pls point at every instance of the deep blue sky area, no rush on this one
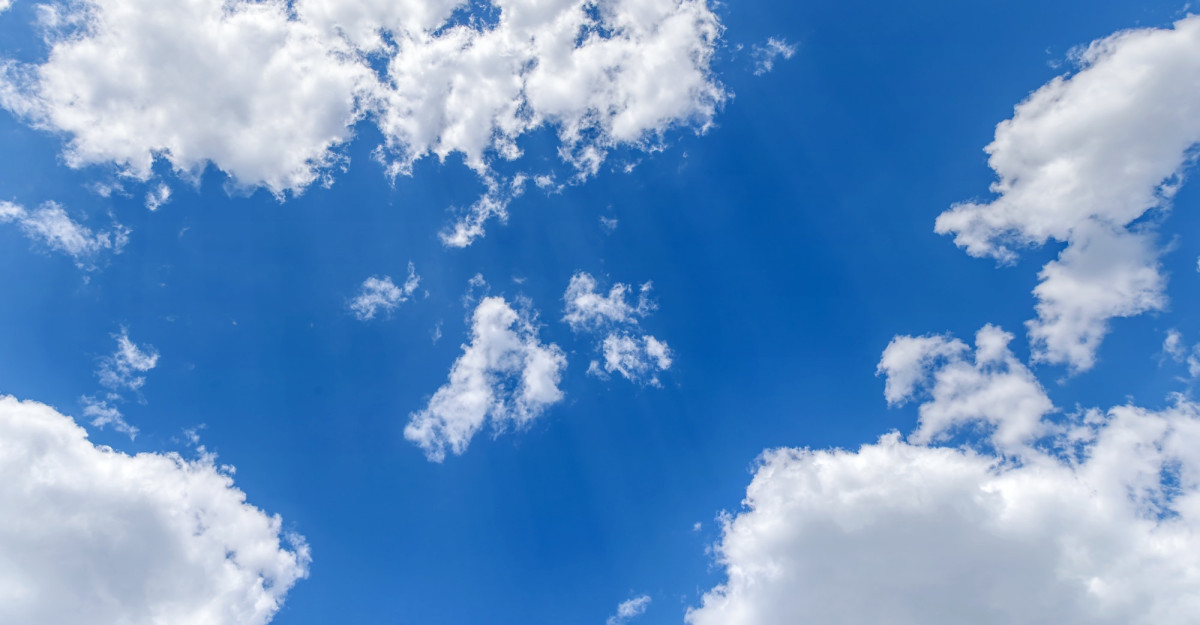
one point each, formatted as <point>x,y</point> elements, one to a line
<point>786,245</point>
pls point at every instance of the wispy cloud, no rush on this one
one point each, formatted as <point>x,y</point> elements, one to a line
<point>381,294</point>
<point>50,226</point>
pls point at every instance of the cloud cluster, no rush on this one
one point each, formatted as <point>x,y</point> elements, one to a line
<point>1082,161</point>
<point>104,537</point>
<point>269,91</point>
<point>505,375</point>
<point>1094,520</point>
<point>50,225</point>
<point>378,294</point>
<point>625,349</point>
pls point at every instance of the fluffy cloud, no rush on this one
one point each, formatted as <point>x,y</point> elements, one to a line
<point>377,294</point>
<point>629,610</point>
<point>51,226</point>
<point>4,5</point>
<point>91,535</point>
<point>274,88</point>
<point>993,388</point>
<point>238,84</point>
<point>766,54</point>
<point>1081,161</point>
<point>1093,520</point>
<point>505,375</point>
<point>635,356</point>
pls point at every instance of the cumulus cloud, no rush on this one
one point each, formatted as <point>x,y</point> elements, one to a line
<point>993,388</point>
<point>625,350</point>
<point>49,225</point>
<point>1082,161</point>
<point>273,89</point>
<point>1094,519</point>
<point>92,535</point>
<point>629,610</point>
<point>505,375</point>
<point>766,54</point>
<point>378,294</point>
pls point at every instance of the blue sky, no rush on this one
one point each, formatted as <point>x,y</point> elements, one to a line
<point>784,218</point>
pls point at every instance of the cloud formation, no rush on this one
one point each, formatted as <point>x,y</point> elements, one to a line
<point>991,389</point>
<point>765,54</point>
<point>274,89</point>
<point>378,294</point>
<point>121,371</point>
<point>1091,520</point>
<point>1083,160</point>
<point>629,610</point>
<point>104,537</point>
<point>50,226</point>
<point>624,349</point>
<point>505,375</point>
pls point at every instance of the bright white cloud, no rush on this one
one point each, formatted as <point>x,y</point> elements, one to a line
<point>505,375</point>
<point>51,226</point>
<point>378,294</point>
<point>268,91</point>
<point>625,350</point>
<point>5,4</point>
<point>265,98</point>
<point>1093,521</point>
<point>91,535</point>
<point>124,368</point>
<point>993,388</point>
<point>1081,160</point>
<point>588,308</point>
<point>629,610</point>
<point>766,54</point>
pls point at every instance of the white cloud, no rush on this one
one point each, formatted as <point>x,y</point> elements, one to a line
<point>608,224</point>
<point>635,356</point>
<point>993,388</point>
<point>51,226</point>
<point>1174,348</point>
<point>505,375</point>
<point>587,308</point>
<point>1095,520</point>
<point>159,196</point>
<point>124,368</point>
<point>1081,161</point>
<point>766,54</point>
<point>5,4</point>
<point>377,294</point>
<point>273,89</point>
<point>629,610</point>
<point>91,535</point>
<point>265,98</point>
<point>103,414</point>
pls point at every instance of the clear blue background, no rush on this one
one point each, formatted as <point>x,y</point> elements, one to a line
<point>786,246</point>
